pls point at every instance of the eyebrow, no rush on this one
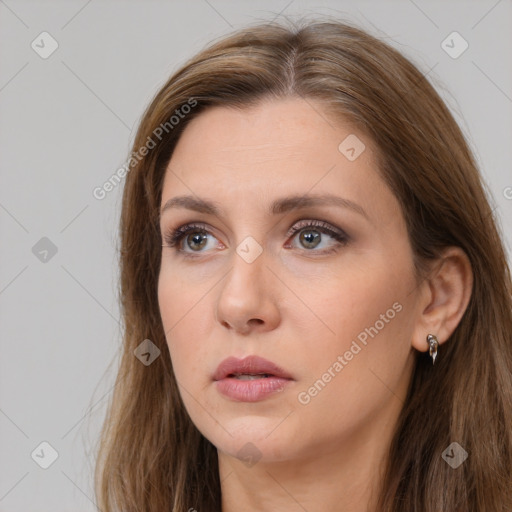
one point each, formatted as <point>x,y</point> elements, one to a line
<point>278,207</point>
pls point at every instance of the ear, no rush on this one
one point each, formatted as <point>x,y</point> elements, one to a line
<point>444,298</point>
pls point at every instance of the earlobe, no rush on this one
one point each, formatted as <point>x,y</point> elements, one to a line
<point>444,299</point>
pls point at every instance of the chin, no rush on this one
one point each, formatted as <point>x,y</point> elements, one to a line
<point>254,439</point>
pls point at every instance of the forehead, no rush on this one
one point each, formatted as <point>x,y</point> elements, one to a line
<point>290,124</point>
<point>275,148</point>
<point>288,131</point>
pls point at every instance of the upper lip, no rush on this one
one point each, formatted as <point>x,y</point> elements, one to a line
<point>248,365</point>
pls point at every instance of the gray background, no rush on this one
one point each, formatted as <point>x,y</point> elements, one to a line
<point>66,124</point>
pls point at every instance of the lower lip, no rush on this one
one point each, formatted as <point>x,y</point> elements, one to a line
<point>251,390</point>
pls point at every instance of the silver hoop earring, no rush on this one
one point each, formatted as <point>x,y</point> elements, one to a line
<point>433,345</point>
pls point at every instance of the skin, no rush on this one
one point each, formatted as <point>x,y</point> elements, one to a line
<point>296,305</point>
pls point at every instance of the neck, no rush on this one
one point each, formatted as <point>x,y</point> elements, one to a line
<point>345,477</point>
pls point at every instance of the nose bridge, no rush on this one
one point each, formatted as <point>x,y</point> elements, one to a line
<point>253,250</point>
<point>248,265</point>
<point>247,293</point>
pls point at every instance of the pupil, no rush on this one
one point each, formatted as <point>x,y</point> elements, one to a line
<point>311,238</point>
<point>199,239</point>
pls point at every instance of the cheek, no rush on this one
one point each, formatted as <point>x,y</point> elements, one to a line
<point>182,292</point>
<point>182,309</point>
<point>362,314</point>
<point>357,298</point>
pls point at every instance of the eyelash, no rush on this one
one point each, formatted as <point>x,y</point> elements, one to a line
<point>174,237</point>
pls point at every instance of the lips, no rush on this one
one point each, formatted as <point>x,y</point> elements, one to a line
<point>251,379</point>
<point>247,367</point>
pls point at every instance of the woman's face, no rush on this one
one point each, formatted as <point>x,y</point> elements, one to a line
<point>323,288</point>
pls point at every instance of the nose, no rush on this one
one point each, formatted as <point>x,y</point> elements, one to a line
<point>248,299</point>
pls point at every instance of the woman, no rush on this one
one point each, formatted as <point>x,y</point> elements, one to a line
<point>304,233</point>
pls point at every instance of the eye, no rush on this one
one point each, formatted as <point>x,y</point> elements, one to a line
<point>196,237</point>
<point>311,234</point>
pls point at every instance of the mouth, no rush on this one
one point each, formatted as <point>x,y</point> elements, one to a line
<point>249,376</point>
<point>249,368</point>
<point>251,379</point>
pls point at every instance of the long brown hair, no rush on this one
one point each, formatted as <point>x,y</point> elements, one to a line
<point>151,456</point>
